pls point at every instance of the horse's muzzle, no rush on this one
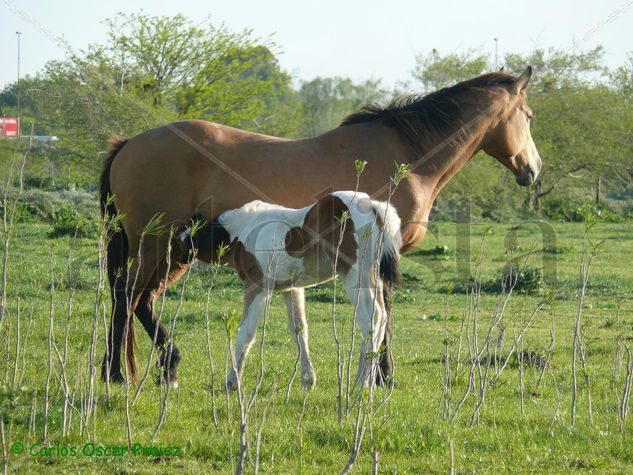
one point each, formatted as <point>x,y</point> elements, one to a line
<point>528,176</point>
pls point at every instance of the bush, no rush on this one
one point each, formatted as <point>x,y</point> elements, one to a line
<point>69,222</point>
<point>38,182</point>
<point>524,279</point>
<point>440,251</point>
<point>23,212</point>
<point>561,209</point>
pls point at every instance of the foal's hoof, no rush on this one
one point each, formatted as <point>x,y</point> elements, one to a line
<point>382,380</point>
<point>231,381</point>
<point>308,381</point>
<point>172,381</point>
<point>230,385</point>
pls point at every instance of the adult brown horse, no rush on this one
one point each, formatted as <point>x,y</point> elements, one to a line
<point>197,167</point>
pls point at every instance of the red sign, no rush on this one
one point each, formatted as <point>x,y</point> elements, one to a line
<point>8,127</point>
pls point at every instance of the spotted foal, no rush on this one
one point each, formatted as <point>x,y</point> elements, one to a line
<point>276,248</point>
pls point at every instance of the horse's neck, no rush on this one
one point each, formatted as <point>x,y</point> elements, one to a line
<point>451,152</point>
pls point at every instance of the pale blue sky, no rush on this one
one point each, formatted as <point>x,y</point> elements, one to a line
<point>358,39</point>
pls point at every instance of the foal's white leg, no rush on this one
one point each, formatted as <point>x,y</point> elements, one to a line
<point>298,326</point>
<point>372,318</point>
<point>255,302</point>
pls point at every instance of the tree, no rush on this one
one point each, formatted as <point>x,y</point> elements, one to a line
<point>327,100</point>
<point>556,68</point>
<point>151,71</point>
<point>582,123</point>
<point>434,71</point>
<point>578,120</point>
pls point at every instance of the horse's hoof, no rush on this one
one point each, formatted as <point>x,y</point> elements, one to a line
<point>116,378</point>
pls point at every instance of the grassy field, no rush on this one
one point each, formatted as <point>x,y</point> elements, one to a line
<point>521,426</point>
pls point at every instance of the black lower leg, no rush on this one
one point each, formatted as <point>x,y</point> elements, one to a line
<point>111,365</point>
<point>170,355</point>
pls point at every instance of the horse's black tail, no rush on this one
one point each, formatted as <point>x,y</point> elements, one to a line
<point>117,253</point>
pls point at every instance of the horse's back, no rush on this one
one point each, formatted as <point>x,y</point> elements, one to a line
<point>176,169</point>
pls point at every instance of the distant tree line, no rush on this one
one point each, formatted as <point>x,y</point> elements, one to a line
<point>153,70</point>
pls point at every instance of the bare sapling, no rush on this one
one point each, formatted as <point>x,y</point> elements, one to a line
<point>446,382</point>
<point>365,399</point>
<point>159,316</point>
<point>222,249</point>
<point>5,452</point>
<point>165,383</point>
<point>623,406</point>
<point>485,368</point>
<point>340,360</point>
<point>10,200</point>
<point>105,225</point>
<point>550,351</point>
<point>49,365</point>
<point>578,342</point>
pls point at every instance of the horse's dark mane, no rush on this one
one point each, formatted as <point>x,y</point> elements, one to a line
<point>418,115</point>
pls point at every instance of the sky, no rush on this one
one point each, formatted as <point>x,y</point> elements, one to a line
<point>349,38</point>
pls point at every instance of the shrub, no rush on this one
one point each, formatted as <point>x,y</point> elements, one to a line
<point>567,210</point>
<point>524,279</point>
<point>69,222</point>
<point>440,251</point>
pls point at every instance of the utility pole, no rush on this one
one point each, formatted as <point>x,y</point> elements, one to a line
<point>496,53</point>
<point>19,93</point>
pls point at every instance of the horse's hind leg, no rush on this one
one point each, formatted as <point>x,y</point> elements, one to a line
<point>111,366</point>
<point>298,326</point>
<point>170,354</point>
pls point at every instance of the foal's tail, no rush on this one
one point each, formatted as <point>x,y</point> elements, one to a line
<point>117,252</point>
<point>391,242</point>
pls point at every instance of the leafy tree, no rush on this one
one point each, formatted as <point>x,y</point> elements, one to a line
<point>151,71</point>
<point>579,122</point>
<point>434,71</point>
<point>556,68</point>
<point>327,100</point>
<point>622,80</point>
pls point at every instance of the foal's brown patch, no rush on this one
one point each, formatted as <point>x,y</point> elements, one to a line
<point>321,231</point>
<point>245,264</point>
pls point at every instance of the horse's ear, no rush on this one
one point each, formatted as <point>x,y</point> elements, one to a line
<point>501,69</point>
<point>523,80</point>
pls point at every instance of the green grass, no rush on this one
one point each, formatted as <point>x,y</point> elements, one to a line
<point>407,433</point>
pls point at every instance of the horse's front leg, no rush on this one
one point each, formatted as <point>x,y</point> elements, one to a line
<point>255,302</point>
<point>298,326</point>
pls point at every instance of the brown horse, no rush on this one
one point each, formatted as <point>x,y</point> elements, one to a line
<point>197,167</point>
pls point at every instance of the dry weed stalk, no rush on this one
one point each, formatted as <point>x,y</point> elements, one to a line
<point>8,218</point>
<point>579,349</point>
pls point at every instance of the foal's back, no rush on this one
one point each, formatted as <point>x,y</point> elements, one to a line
<point>302,247</point>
